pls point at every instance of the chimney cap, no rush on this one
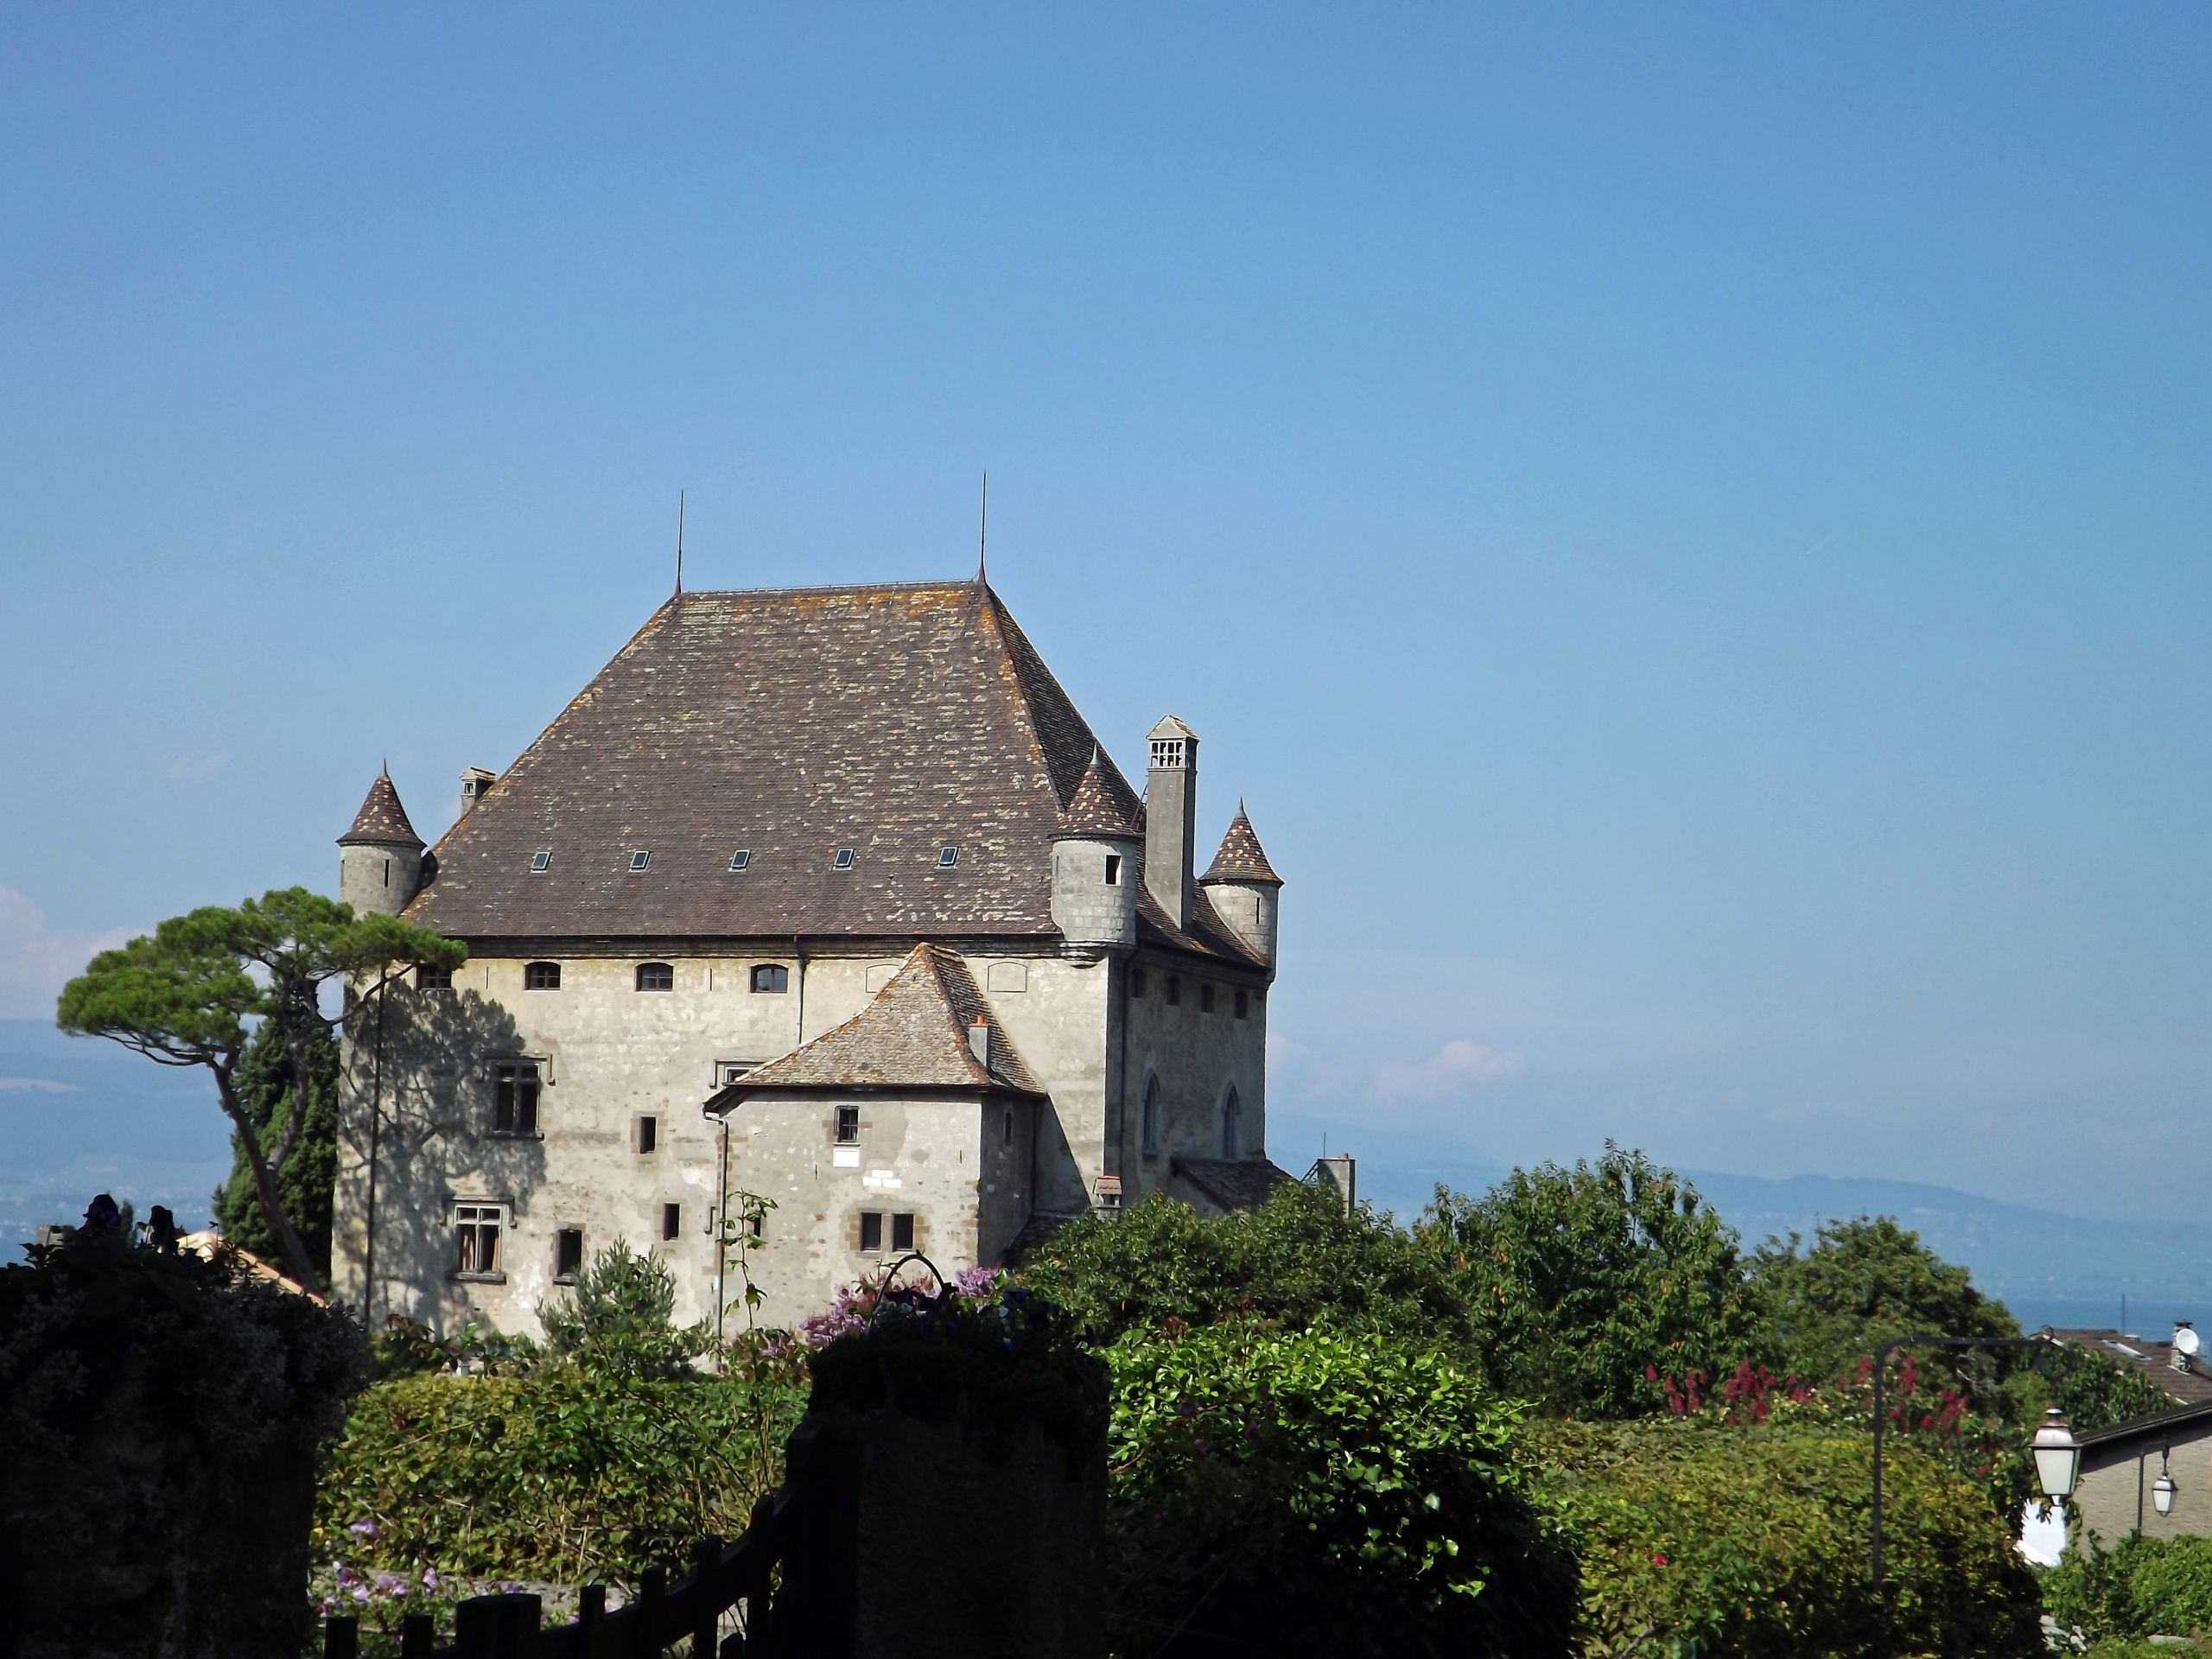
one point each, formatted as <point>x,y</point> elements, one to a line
<point>1171,727</point>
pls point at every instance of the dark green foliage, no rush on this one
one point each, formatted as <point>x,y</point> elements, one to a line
<point>2093,1391</point>
<point>1751,1542</point>
<point>160,1416</point>
<point>264,1081</point>
<point>2142,1586</point>
<point>1296,1259</point>
<point>558,1477</point>
<point>620,1318</point>
<point>1311,1492</point>
<point>1579,1280</point>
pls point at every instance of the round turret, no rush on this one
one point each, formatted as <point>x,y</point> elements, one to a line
<point>1095,863</point>
<point>1244,888</point>
<point>380,858</point>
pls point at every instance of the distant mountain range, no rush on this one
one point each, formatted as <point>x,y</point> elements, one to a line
<point>2046,1267</point>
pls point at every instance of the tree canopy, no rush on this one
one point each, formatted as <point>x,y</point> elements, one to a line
<point>306,1175</point>
<point>192,992</point>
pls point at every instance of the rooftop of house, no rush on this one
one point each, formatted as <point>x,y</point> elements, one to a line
<point>2154,1360</point>
<point>891,759</point>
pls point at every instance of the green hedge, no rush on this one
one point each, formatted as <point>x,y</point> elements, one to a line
<point>557,1477</point>
<point>1753,1541</point>
<point>2142,1587</point>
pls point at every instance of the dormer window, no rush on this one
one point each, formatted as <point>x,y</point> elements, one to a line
<point>1167,754</point>
<point>947,857</point>
<point>741,861</point>
<point>843,861</point>
<point>540,862</point>
<point>638,860</point>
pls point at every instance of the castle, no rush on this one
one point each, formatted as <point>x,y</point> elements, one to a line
<point>828,895</point>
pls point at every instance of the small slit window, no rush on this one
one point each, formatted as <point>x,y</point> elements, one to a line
<point>541,976</point>
<point>1174,992</point>
<point>655,976</point>
<point>848,1126</point>
<point>1113,870</point>
<point>771,978</point>
<point>1206,999</point>
<point>1149,1123</point>
<point>947,857</point>
<point>567,1254</point>
<point>1243,1005</point>
<point>671,1221</point>
<point>843,860</point>
<point>741,861</point>
<point>540,862</point>
<point>902,1231</point>
<point>872,1231</point>
<point>638,860</point>
<point>648,1136</point>
<point>1136,983</point>
<point>1006,1134</point>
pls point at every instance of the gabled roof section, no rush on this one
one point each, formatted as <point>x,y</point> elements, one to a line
<point>1171,727</point>
<point>1234,1183</point>
<point>913,1035</point>
<point>1103,807</point>
<point>894,721</point>
<point>1241,857</point>
<point>382,821</point>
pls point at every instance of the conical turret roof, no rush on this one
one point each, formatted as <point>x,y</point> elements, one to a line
<point>1241,857</point>
<point>382,820</point>
<point>1102,808</point>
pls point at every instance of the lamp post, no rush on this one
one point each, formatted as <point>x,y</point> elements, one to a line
<point>2163,1489</point>
<point>2057,1454</point>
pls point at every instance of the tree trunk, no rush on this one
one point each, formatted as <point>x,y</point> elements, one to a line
<point>292,1253</point>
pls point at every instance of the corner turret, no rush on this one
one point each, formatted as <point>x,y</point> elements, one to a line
<point>380,858</point>
<point>1243,888</point>
<point>1094,861</point>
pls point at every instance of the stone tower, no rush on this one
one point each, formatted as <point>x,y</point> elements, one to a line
<point>380,858</point>
<point>1244,888</point>
<point>1171,817</point>
<point>1095,864</point>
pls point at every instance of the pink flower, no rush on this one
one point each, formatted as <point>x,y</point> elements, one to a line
<point>1658,1560</point>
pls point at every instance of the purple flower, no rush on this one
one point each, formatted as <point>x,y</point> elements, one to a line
<point>361,1592</point>
<point>391,1583</point>
<point>365,1527</point>
<point>429,1578</point>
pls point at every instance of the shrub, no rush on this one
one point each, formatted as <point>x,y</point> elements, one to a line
<point>620,1319</point>
<point>1753,1541</point>
<point>557,1477</point>
<point>1313,1492</point>
<point>2142,1587</point>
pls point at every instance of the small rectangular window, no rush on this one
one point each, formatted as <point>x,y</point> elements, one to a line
<point>648,1136</point>
<point>541,976</point>
<point>1136,982</point>
<point>771,979</point>
<point>567,1254</point>
<point>434,979</point>
<point>638,860</point>
<point>1206,999</point>
<point>1174,992</point>
<point>902,1231</point>
<point>843,861</point>
<point>515,1085</point>
<point>947,857</point>
<point>741,861</point>
<point>476,1238</point>
<point>872,1231</point>
<point>540,862</point>
<point>1243,1005</point>
<point>1006,1134</point>
<point>671,1221</point>
<point>848,1126</point>
<point>1113,870</point>
<point>655,976</point>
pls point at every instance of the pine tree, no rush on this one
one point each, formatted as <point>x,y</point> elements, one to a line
<point>305,1180</point>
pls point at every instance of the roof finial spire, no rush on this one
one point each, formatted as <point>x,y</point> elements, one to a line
<point>386,766</point>
<point>983,532</point>
<point>679,543</point>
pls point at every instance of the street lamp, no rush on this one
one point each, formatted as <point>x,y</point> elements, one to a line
<point>2163,1489</point>
<point>2162,1493</point>
<point>2058,1455</point>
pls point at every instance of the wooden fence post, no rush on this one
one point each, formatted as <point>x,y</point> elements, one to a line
<point>706,1557</point>
<point>645,1637</point>
<point>418,1635</point>
<point>341,1637</point>
<point>591,1620</point>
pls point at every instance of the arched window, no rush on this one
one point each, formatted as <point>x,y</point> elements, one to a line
<point>655,976</point>
<point>541,976</point>
<point>771,978</point>
<point>1232,1125</point>
<point>1149,1121</point>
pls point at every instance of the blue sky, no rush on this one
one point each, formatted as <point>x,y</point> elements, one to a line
<point>1686,524</point>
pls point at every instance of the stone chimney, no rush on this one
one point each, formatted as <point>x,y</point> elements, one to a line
<point>1171,817</point>
<point>475,783</point>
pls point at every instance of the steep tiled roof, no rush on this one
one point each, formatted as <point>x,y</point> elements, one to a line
<point>1207,935</point>
<point>1234,1183</point>
<point>1103,807</point>
<point>2154,1361</point>
<point>1241,858</point>
<point>382,820</point>
<point>913,1035</point>
<point>894,721</point>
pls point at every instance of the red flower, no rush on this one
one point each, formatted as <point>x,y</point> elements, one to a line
<point>1658,1560</point>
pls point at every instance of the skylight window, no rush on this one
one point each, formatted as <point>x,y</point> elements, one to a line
<point>843,860</point>
<point>638,860</point>
<point>540,862</point>
<point>741,861</point>
<point>947,857</point>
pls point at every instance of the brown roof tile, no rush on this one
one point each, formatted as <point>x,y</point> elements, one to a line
<point>1241,858</point>
<point>382,820</point>
<point>1234,1183</point>
<point>2152,1360</point>
<point>914,1034</point>
<point>1103,807</point>
<point>894,721</point>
